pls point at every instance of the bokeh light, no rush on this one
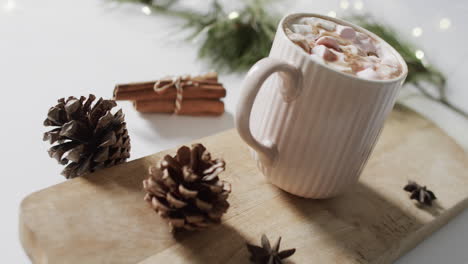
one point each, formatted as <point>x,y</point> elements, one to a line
<point>146,10</point>
<point>419,54</point>
<point>233,15</point>
<point>344,4</point>
<point>358,5</point>
<point>445,23</point>
<point>417,31</point>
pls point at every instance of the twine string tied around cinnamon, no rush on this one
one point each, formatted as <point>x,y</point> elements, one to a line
<point>179,82</point>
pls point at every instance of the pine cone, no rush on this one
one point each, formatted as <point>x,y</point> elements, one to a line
<point>186,190</point>
<point>88,137</point>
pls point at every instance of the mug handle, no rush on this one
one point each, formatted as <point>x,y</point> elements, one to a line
<point>290,89</point>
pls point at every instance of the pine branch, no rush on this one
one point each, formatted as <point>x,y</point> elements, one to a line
<point>235,43</point>
<point>418,72</point>
<point>231,43</point>
<point>440,100</point>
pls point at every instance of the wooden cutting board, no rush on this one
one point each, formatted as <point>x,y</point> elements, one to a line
<point>102,218</point>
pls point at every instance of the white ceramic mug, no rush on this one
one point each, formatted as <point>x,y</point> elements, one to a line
<point>312,128</point>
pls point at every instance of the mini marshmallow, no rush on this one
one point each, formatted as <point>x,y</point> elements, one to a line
<point>301,29</point>
<point>307,20</point>
<point>374,59</point>
<point>344,48</point>
<point>324,53</point>
<point>366,45</point>
<point>310,39</point>
<point>388,59</point>
<point>299,40</point>
<point>341,61</point>
<point>368,73</point>
<point>294,36</point>
<point>328,26</point>
<point>329,42</point>
<point>366,64</point>
<point>386,70</point>
<point>341,56</point>
<point>361,36</point>
<point>346,32</point>
<point>351,50</point>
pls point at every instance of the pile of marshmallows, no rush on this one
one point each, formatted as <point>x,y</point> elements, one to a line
<point>344,48</point>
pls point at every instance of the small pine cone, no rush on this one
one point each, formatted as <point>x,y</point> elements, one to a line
<point>186,190</point>
<point>87,137</point>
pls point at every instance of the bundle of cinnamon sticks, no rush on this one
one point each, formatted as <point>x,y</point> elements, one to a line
<point>183,95</point>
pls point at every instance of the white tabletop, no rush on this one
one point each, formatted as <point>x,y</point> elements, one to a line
<point>51,49</point>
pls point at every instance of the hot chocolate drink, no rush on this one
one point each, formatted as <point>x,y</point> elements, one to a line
<point>344,48</point>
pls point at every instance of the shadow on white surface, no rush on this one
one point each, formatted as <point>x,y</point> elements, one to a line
<point>173,126</point>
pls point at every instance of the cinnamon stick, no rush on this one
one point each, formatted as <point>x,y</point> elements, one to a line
<point>194,107</point>
<point>202,86</point>
<point>136,86</point>
<point>145,91</point>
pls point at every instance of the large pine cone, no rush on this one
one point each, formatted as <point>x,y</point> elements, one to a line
<point>88,137</point>
<point>186,190</point>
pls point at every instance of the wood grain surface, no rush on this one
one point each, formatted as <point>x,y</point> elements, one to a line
<point>102,218</point>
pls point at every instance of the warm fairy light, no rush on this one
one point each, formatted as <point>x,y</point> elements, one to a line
<point>233,15</point>
<point>9,5</point>
<point>419,54</point>
<point>146,10</point>
<point>445,23</point>
<point>332,14</point>
<point>344,4</point>
<point>417,31</point>
<point>358,5</point>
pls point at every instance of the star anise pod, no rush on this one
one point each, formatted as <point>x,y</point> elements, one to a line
<point>420,193</point>
<point>267,254</point>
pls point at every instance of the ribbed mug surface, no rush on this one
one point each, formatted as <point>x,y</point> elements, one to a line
<point>325,136</point>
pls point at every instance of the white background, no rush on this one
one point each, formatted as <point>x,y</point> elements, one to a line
<point>56,48</point>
